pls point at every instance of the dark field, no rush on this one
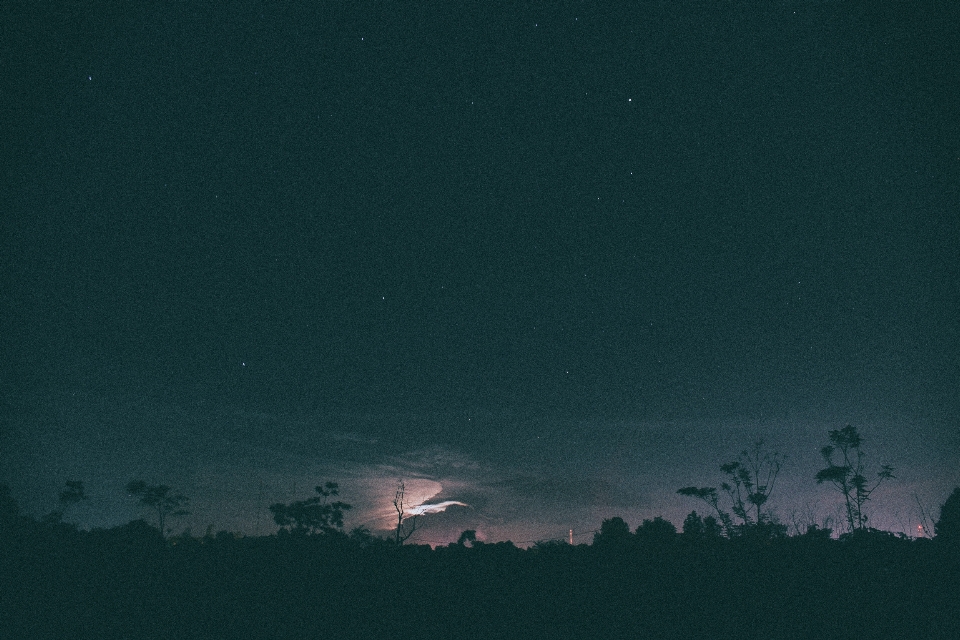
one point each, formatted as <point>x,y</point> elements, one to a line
<point>128,582</point>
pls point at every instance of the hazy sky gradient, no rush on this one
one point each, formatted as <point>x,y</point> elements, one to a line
<point>552,262</point>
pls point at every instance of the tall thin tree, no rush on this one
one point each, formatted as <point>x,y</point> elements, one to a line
<point>160,499</point>
<point>405,526</point>
<point>845,471</point>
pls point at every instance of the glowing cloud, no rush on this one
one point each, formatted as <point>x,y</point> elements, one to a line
<point>435,508</point>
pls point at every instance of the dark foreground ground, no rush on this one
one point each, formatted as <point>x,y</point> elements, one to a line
<point>56,582</point>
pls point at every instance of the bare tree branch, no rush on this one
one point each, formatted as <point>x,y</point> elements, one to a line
<point>406,528</point>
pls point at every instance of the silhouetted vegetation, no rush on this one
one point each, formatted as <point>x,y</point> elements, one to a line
<point>159,499</point>
<point>73,494</point>
<point>750,482</point>
<point>131,582</point>
<point>846,473</point>
<point>406,526</point>
<point>749,580</point>
<point>947,527</point>
<point>314,515</point>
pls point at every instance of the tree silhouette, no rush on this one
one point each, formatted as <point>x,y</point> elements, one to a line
<point>697,528</point>
<point>709,495</point>
<point>656,531</point>
<point>362,537</point>
<point>72,494</point>
<point>159,499</point>
<point>313,515</point>
<point>753,476</point>
<point>693,526</point>
<point>405,526</point>
<point>614,532</point>
<point>751,480</point>
<point>846,473</point>
<point>469,535</point>
<point>948,525</point>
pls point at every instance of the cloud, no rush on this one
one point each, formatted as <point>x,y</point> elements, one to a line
<point>437,461</point>
<point>435,508</point>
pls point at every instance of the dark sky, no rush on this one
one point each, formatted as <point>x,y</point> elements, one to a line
<point>550,261</point>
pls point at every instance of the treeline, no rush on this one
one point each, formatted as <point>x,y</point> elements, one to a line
<point>732,572</point>
<point>57,581</point>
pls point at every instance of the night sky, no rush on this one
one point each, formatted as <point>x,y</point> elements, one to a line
<point>552,262</point>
